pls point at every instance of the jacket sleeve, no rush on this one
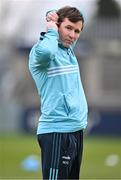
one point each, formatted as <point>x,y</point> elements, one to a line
<point>43,51</point>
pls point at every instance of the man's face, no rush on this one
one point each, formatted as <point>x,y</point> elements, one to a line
<point>69,32</point>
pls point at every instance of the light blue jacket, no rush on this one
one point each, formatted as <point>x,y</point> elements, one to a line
<point>55,71</point>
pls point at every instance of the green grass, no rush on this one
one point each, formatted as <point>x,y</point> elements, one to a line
<point>96,151</point>
<point>15,148</point>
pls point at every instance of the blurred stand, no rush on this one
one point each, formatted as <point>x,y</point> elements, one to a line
<point>99,55</point>
<point>100,64</point>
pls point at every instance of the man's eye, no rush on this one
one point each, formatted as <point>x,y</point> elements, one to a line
<point>77,31</point>
<point>69,28</point>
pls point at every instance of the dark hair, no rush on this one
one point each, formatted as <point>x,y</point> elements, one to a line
<point>72,13</point>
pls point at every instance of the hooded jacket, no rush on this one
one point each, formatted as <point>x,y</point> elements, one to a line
<point>55,71</point>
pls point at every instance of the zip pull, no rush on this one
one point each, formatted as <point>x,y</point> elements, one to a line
<point>69,52</point>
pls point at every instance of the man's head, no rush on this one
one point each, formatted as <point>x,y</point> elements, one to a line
<point>70,25</point>
<point>72,13</point>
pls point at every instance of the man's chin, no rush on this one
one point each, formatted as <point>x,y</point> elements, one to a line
<point>67,45</point>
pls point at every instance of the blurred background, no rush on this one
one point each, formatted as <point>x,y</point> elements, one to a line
<point>99,55</point>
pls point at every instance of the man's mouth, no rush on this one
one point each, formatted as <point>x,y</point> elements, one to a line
<point>69,41</point>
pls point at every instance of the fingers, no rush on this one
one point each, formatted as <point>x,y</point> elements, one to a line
<point>52,16</point>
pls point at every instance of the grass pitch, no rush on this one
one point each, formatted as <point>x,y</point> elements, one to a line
<point>101,158</point>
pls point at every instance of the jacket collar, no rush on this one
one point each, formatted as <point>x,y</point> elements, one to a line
<point>59,43</point>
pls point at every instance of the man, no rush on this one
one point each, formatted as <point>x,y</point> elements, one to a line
<point>55,70</point>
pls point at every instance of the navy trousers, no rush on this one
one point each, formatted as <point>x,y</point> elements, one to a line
<point>61,155</point>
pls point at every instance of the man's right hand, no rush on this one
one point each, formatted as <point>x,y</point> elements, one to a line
<point>52,20</point>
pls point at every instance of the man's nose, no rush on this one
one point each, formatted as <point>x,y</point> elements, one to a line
<point>72,34</point>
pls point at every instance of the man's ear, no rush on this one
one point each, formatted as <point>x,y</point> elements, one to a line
<point>58,24</point>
